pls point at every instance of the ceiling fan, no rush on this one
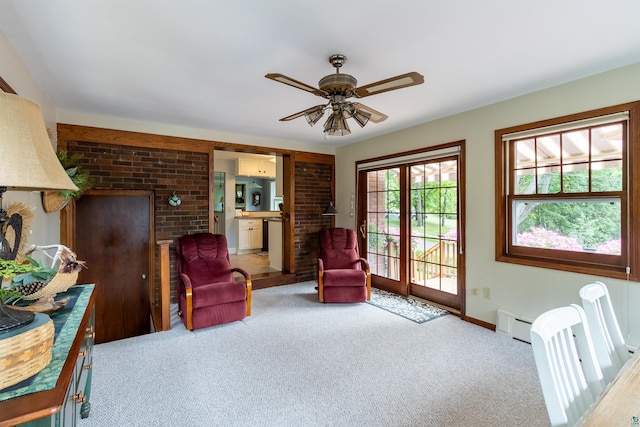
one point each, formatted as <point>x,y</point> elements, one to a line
<point>337,89</point>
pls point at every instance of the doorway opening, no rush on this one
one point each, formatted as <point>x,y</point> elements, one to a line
<point>254,190</point>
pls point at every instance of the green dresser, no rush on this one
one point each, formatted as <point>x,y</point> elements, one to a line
<point>59,394</point>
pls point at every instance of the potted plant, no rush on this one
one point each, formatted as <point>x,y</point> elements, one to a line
<point>55,200</point>
<point>23,278</point>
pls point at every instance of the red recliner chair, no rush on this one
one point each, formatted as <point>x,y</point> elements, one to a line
<point>342,275</point>
<point>208,293</point>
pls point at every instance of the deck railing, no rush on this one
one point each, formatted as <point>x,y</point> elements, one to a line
<point>440,260</point>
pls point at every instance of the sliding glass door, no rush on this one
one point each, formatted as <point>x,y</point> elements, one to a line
<point>433,254</point>
<point>409,219</point>
<point>382,225</point>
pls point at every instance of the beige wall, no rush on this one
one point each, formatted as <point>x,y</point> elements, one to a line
<point>46,227</point>
<point>523,290</point>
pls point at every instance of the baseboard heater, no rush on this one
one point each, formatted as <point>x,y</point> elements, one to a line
<point>514,326</point>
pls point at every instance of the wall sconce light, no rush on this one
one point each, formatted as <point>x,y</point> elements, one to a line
<point>174,200</point>
<point>330,210</point>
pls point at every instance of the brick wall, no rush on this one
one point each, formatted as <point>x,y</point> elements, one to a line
<point>158,170</point>
<point>164,171</point>
<point>312,195</point>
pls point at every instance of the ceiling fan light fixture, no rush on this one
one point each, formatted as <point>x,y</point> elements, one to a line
<point>338,88</point>
<point>361,117</point>
<point>314,115</point>
<point>328,125</point>
<point>336,125</point>
<point>338,83</point>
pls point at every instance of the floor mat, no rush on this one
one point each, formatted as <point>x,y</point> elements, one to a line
<point>408,308</point>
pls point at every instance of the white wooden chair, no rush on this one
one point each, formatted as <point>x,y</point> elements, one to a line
<point>608,341</point>
<point>567,366</point>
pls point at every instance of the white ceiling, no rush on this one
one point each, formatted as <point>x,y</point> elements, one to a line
<point>201,63</point>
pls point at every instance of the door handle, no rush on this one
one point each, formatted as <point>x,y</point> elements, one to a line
<point>144,276</point>
<point>363,229</point>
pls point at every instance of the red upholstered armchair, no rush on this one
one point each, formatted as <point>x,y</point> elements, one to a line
<point>208,293</point>
<point>342,275</point>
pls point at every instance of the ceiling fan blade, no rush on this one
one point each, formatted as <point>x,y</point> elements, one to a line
<point>393,83</point>
<point>302,113</point>
<point>376,116</point>
<point>295,83</point>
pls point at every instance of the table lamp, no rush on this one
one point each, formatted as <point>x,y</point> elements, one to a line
<point>29,163</point>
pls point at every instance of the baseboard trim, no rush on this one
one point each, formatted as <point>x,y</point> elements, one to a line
<point>479,322</point>
<point>277,278</point>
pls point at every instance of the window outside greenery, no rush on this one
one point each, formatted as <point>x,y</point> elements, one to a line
<point>583,226</point>
<point>428,201</point>
<point>586,164</point>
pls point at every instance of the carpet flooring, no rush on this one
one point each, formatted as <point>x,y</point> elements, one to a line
<point>408,308</point>
<point>299,363</point>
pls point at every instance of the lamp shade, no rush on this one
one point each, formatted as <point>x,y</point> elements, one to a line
<point>361,117</point>
<point>336,125</point>
<point>28,160</point>
<point>313,115</point>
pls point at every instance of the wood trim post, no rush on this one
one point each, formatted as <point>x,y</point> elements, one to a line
<point>212,213</point>
<point>164,282</point>
<point>249,290</point>
<point>320,286</point>
<point>189,308</point>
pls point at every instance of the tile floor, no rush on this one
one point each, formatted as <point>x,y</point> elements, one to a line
<point>257,263</point>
